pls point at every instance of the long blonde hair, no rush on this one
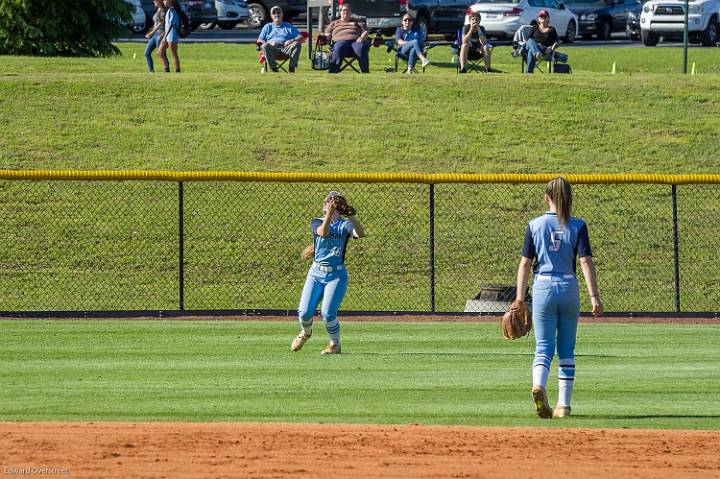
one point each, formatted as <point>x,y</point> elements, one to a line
<point>560,192</point>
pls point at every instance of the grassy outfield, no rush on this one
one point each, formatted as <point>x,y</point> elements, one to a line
<point>643,375</point>
<point>221,114</point>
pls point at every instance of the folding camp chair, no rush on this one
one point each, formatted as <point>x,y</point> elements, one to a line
<point>323,52</point>
<point>281,60</point>
<point>519,50</point>
<point>394,47</point>
<point>475,61</point>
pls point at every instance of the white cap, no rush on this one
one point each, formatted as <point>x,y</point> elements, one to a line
<point>332,195</point>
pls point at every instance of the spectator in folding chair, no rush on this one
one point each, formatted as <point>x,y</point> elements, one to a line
<point>474,44</point>
<point>542,42</point>
<point>347,37</point>
<point>410,42</point>
<point>280,40</point>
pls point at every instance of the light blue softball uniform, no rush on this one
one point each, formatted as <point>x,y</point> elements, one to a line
<point>172,19</point>
<point>327,278</point>
<point>555,296</point>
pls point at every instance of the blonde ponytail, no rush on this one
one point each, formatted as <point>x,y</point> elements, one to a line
<point>308,252</point>
<point>560,192</point>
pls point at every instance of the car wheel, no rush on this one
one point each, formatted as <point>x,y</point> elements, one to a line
<point>258,15</point>
<point>144,27</point>
<point>710,35</point>
<point>571,32</point>
<point>227,25</point>
<point>605,30</point>
<point>649,39</point>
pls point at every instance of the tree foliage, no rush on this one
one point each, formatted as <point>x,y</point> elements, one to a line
<point>62,27</point>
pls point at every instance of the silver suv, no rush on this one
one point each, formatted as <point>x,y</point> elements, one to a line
<point>666,18</point>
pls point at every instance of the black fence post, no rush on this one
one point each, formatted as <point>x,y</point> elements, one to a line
<point>676,247</point>
<point>432,247</point>
<point>181,246</point>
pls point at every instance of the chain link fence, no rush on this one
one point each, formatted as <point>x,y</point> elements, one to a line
<point>235,245</point>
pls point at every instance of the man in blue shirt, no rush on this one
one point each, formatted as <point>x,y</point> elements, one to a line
<point>280,38</point>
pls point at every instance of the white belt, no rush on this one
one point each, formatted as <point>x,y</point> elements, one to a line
<point>546,277</point>
<point>329,269</point>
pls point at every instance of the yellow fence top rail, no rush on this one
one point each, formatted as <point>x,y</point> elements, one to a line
<point>426,178</point>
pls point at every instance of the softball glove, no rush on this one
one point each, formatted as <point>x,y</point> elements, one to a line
<point>517,322</point>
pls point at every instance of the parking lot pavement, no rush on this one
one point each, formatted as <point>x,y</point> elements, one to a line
<point>247,35</point>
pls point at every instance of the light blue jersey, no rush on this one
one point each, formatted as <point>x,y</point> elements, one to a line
<point>330,250</point>
<point>554,246</point>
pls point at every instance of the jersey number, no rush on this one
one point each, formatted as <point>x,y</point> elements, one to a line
<point>555,240</point>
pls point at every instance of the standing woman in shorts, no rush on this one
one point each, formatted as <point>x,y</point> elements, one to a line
<point>156,33</point>
<point>553,240</point>
<point>172,35</point>
<point>327,278</point>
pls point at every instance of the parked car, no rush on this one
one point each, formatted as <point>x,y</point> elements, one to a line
<point>632,28</point>
<point>139,23</point>
<point>432,16</point>
<point>200,11</point>
<point>259,10</point>
<point>666,18</point>
<point>600,17</point>
<point>502,18</point>
<point>230,13</point>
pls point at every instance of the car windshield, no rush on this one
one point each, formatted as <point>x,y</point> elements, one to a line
<point>488,2</point>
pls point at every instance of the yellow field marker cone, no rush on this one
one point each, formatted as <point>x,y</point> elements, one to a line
<point>692,72</point>
<point>613,69</point>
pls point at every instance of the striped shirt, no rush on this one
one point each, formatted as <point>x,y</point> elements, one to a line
<point>339,30</point>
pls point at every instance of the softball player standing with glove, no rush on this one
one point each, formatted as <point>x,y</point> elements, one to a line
<point>327,278</point>
<point>554,240</point>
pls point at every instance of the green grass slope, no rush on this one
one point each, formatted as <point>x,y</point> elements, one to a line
<point>221,114</point>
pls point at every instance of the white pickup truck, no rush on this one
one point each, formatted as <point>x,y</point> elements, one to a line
<point>666,18</point>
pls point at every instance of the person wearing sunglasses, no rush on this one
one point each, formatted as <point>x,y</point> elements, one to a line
<point>410,40</point>
<point>542,41</point>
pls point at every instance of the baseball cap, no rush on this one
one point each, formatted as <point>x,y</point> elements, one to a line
<point>543,13</point>
<point>276,9</point>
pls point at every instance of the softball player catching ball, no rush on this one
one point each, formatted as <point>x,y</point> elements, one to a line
<point>553,240</point>
<point>327,278</point>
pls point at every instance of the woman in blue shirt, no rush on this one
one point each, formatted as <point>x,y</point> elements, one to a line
<point>554,240</point>
<point>327,278</point>
<point>172,34</point>
<point>410,39</point>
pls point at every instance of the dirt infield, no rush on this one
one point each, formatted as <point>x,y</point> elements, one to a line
<point>230,450</point>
